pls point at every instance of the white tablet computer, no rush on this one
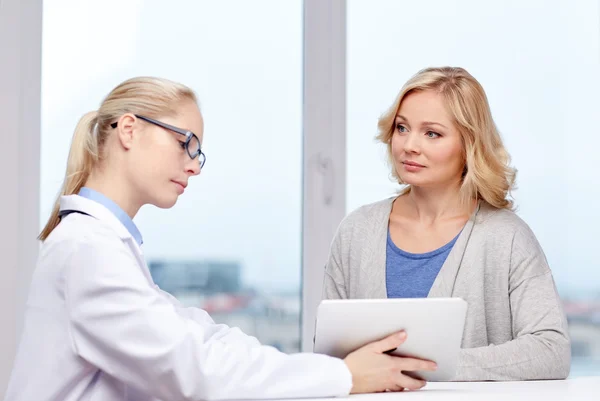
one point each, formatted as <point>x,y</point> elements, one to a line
<point>434,328</point>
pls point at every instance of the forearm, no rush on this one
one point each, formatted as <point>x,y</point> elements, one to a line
<point>542,356</point>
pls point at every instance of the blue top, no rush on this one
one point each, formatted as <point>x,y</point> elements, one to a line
<point>115,209</point>
<point>411,275</point>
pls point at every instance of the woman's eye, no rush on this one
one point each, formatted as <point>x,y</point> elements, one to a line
<point>400,127</point>
<point>431,134</point>
<point>182,144</point>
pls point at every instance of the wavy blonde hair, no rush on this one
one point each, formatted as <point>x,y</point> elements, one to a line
<point>150,96</point>
<point>487,175</point>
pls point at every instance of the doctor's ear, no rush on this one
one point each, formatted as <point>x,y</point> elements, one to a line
<point>125,130</point>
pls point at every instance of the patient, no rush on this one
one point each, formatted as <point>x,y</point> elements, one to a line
<point>451,232</point>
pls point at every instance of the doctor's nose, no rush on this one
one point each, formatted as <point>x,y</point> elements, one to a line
<point>193,167</point>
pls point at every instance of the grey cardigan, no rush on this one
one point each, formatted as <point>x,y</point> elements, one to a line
<point>515,328</point>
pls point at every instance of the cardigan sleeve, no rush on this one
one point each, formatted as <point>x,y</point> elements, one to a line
<point>540,348</point>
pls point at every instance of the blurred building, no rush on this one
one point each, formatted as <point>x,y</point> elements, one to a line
<point>204,277</point>
<point>583,316</point>
<point>217,288</point>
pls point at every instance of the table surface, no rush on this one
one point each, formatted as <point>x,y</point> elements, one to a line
<point>579,389</point>
<point>576,389</point>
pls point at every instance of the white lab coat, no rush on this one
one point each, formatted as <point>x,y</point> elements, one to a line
<point>97,328</point>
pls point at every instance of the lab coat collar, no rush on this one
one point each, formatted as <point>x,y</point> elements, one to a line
<point>111,205</point>
<point>80,204</point>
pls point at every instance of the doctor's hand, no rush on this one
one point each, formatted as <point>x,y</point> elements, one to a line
<point>373,370</point>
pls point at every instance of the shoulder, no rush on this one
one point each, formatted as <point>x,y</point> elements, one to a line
<point>367,216</point>
<point>501,221</point>
<point>89,255</point>
<point>81,233</point>
<point>506,230</point>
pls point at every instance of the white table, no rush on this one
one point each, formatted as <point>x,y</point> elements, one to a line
<point>577,389</point>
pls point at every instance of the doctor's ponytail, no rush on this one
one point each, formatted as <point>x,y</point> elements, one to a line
<point>82,157</point>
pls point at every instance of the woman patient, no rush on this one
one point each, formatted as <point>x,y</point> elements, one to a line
<point>451,232</point>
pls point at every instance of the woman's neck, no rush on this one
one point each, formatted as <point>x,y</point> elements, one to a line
<point>429,205</point>
<point>116,190</point>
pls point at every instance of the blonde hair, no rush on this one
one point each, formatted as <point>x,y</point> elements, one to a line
<point>487,174</point>
<point>148,96</point>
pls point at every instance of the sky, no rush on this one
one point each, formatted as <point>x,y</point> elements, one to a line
<point>539,62</point>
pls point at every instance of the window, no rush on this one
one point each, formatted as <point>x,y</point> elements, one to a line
<point>232,244</point>
<point>539,65</point>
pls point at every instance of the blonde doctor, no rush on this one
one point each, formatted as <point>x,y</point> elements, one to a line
<point>97,328</point>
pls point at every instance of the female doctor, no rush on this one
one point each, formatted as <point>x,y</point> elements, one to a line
<point>96,326</point>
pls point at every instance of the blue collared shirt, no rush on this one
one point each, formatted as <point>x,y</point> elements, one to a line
<point>115,209</point>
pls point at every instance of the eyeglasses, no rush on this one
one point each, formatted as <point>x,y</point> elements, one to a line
<point>191,144</point>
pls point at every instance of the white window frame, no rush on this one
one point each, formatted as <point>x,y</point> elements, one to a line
<point>324,119</point>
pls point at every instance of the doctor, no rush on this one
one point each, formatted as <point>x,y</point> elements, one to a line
<point>96,326</point>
